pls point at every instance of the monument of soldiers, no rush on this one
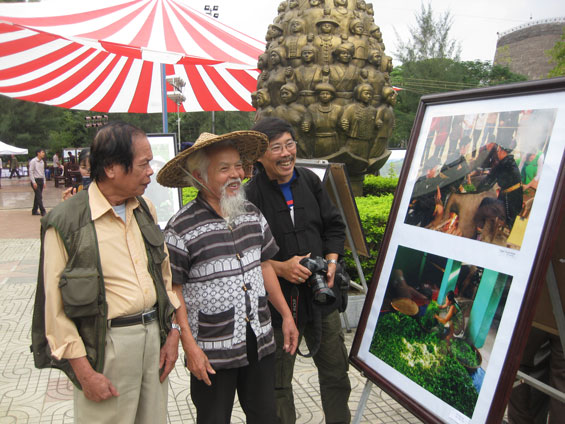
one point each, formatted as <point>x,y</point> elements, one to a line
<point>325,71</point>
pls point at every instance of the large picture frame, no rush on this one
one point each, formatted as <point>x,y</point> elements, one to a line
<point>466,250</point>
<point>167,200</point>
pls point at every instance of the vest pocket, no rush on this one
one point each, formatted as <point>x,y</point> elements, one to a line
<point>263,311</point>
<point>216,327</point>
<point>79,289</point>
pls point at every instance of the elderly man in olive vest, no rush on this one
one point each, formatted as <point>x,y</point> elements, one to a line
<point>104,303</point>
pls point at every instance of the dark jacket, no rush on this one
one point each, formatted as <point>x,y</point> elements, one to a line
<point>82,282</point>
<point>318,228</point>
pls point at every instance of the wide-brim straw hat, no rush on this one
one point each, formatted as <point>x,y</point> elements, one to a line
<point>250,144</point>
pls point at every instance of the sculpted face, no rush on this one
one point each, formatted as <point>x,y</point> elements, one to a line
<point>325,96</point>
<point>287,96</point>
<point>296,26</point>
<point>326,27</point>
<point>365,95</point>
<point>307,55</point>
<point>275,58</point>
<point>375,58</point>
<point>344,56</point>
<point>358,28</point>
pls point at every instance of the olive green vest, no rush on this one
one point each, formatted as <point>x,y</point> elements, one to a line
<point>82,282</point>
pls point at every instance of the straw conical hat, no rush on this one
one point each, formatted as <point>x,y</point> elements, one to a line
<point>250,145</point>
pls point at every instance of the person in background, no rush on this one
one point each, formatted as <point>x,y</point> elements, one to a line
<point>57,167</point>
<point>305,223</point>
<point>0,171</point>
<point>37,181</point>
<point>104,303</point>
<point>14,167</point>
<point>84,168</point>
<point>220,247</point>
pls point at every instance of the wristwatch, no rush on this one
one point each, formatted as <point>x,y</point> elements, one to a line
<point>332,261</point>
<point>176,327</point>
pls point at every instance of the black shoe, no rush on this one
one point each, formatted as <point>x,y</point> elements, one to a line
<point>43,213</point>
<point>35,213</point>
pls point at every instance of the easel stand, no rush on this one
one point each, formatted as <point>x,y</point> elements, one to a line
<point>522,378</point>
<point>557,306</point>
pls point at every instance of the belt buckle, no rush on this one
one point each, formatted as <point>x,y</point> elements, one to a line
<point>147,315</point>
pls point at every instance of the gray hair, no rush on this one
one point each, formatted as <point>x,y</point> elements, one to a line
<point>200,160</point>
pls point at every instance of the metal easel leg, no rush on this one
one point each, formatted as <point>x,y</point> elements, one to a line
<point>363,402</point>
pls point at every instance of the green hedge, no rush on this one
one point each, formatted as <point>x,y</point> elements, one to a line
<point>188,193</point>
<point>378,186</point>
<point>373,211</point>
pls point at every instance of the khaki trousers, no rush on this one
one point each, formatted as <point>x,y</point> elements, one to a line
<point>132,365</point>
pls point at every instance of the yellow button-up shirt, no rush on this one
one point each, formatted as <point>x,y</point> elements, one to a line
<point>129,286</point>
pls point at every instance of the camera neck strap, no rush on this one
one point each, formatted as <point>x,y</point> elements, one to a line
<point>316,324</point>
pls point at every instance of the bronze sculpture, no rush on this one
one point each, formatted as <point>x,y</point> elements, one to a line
<point>325,71</point>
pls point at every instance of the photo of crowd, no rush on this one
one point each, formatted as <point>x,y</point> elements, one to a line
<point>479,174</point>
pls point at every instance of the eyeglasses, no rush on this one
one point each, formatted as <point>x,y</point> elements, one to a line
<point>278,148</point>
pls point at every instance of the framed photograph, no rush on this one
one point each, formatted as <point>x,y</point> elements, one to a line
<point>466,250</point>
<point>167,200</point>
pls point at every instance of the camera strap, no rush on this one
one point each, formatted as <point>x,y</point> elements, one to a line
<point>316,324</point>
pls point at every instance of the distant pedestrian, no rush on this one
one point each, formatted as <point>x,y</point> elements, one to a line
<point>14,167</point>
<point>57,167</point>
<point>0,172</point>
<point>37,180</point>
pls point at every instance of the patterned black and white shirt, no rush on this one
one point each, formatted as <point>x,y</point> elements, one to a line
<point>219,267</point>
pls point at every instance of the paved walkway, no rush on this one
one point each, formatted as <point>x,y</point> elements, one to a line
<point>28,395</point>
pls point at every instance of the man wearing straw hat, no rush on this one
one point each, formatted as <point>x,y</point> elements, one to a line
<point>220,245</point>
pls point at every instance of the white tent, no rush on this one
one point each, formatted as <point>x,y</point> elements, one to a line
<point>6,149</point>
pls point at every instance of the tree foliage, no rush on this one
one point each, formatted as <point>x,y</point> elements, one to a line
<point>32,125</point>
<point>557,56</point>
<point>429,38</point>
<point>436,76</point>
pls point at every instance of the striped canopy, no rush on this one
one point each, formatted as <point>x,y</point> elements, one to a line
<point>106,56</point>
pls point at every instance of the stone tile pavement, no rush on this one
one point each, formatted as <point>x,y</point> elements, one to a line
<point>28,395</point>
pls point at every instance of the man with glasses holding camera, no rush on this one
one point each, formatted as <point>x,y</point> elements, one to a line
<point>305,224</point>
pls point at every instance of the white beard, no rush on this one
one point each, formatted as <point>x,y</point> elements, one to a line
<point>234,205</point>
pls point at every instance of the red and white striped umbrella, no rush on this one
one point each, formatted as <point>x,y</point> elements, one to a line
<point>107,58</point>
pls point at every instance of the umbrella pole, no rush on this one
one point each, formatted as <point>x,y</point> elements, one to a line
<point>164,99</point>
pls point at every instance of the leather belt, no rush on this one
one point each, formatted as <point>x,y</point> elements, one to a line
<point>142,318</point>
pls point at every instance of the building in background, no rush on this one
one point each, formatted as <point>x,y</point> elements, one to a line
<point>523,48</point>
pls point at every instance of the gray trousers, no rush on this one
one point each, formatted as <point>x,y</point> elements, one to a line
<point>332,363</point>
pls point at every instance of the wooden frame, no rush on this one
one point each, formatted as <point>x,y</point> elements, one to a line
<point>496,306</point>
<point>167,200</point>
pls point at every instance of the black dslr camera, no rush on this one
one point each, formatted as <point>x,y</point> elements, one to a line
<point>323,295</point>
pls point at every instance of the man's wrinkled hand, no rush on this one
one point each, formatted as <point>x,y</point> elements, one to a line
<point>97,387</point>
<point>198,364</point>
<point>169,354</point>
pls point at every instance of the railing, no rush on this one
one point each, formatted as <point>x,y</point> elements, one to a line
<point>532,23</point>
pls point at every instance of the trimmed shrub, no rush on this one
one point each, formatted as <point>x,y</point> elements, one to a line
<point>188,194</point>
<point>379,186</point>
<point>373,211</point>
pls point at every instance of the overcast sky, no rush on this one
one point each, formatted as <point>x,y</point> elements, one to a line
<point>475,23</point>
